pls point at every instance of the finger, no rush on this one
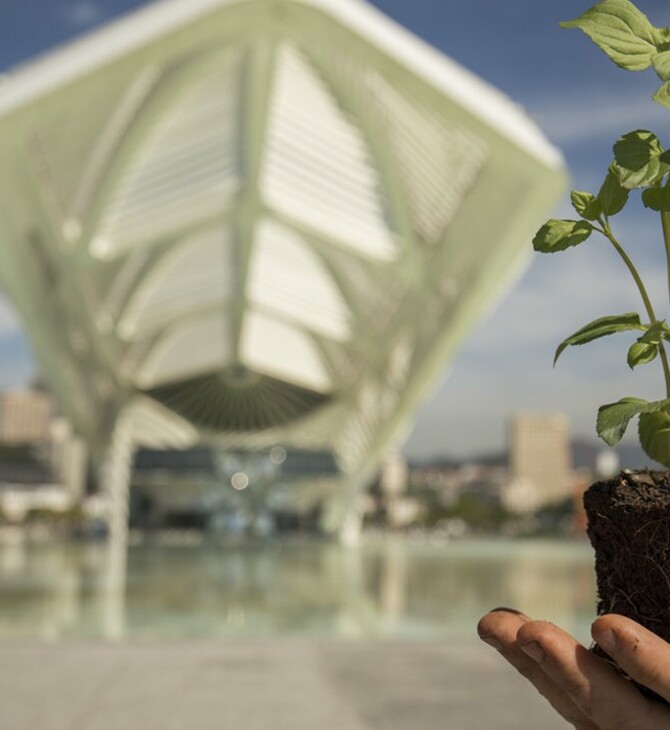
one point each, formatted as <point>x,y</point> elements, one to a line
<point>500,628</point>
<point>602,693</point>
<point>640,653</point>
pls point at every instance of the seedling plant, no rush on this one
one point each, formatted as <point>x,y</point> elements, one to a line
<point>640,163</point>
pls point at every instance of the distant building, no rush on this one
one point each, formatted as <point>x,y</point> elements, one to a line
<point>607,464</point>
<point>539,461</point>
<point>25,417</point>
<point>202,487</point>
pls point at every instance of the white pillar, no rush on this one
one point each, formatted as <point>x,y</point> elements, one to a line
<point>115,478</point>
<point>74,476</point>
<point>393,482</point>
<point>342,515</point>
<point>352,526</point>
<point>68,458</point>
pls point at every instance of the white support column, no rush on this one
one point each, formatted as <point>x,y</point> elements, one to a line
<point>68,458</point>
<point>116,486</point>
<point>75,468</point>
<point>342,515</point>
<point>352,526</point>
<point>393,483</point>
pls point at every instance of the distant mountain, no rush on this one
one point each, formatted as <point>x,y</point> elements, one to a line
<point>454,462</point>
<point>631,456</point>
<point>584,453</point>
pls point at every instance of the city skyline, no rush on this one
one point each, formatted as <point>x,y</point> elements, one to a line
<point>575,95</point>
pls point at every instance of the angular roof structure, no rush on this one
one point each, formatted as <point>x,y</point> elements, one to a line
<point>259,221</point>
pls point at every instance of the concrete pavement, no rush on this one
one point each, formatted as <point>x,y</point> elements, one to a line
<point>288,684</point>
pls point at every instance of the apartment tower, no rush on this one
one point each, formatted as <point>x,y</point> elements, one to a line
<point>539,454</point>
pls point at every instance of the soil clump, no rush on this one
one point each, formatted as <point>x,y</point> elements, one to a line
<point>629,528</point>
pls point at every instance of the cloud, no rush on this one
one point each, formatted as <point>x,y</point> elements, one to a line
<point>82,13</point>
<point>580,118</point>
<point>564,291</point>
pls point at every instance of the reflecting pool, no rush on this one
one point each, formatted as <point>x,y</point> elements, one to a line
<point>385,588</point>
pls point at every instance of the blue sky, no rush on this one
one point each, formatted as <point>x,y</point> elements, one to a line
<point>583,103</point>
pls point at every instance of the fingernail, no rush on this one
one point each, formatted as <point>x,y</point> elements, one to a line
<point>492,641</point>
<point>606,640</point>
<point>505,609</point>
<point>534,651</point>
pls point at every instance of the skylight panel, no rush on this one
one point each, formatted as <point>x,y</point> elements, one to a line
<point>195,277</point>
<point>187,351</point>
<point>317,168</point>
<point>275,348</point>
<point>188,169</point>
<point>437,162</point>
<point>289,279</point>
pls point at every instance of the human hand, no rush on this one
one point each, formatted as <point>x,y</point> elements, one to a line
<point>587,691</point>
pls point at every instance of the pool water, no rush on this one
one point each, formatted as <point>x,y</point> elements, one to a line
<point>385,588</point>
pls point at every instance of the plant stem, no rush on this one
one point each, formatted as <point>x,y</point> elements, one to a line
<point>666,367</point>
<point>665,221</point>
<point>607,232</point>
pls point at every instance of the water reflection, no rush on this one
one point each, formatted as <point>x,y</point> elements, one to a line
<point>384,588</point>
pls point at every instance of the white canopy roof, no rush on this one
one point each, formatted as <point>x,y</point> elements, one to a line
<point>273,219</point>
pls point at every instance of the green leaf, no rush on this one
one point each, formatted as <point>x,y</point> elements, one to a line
<point>601,328</point>
<point>662,96</point>
<point>661,62</point>
<point>622,31</point>
<point>657,198</point>
<point>641,353</point>
<point>557,235</point>
<point>613,418</point>
<point>636,149</point>
<point>612,195</point>
<point>654,433</point>
<point>656,333</point>
<point>637,158</point>
<point>646,348</point>
<point>586,204</point>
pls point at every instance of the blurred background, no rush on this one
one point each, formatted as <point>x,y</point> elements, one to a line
<point>275,359</point>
